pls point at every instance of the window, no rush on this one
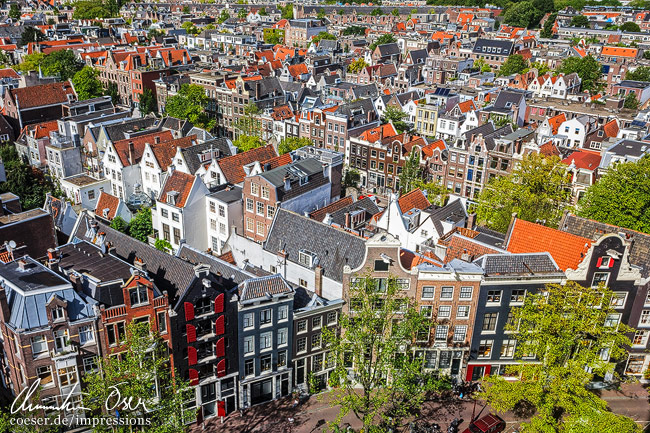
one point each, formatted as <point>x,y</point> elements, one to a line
<point>618,299</point>
<point>270,211</point>
<point>61,340</point>
<point>67,376</point>
<point>283,312</point>
<point>222,211</point>
<point>444,311</point>
<point>302,325</point>
<point>485,348</point>
<point>427,292</point>
<point>518,295</point>
<point>90,364</point>
<point>305,258</point>
<point>213,207</point>
<point>250,225</point>
<point>612,320</point>
<point>249,319</point>
<point>266,340</point>
<point>57,314</point>
<point>635,364</point>
<point>162,322</point>
<point>282,358</point>
<point>39,345</point>
<point>600,278</point>
<point>265,192</point>
<point>260,208</point>
<point>265,363</point>
<point>302,283</point>
<point>316,341</point>
<point>640,338</point>
<point>249,205</point>
<point>260,228</point>
<point>466,292</point>
<point>282,336</point>
<point>508,348</point>
<point>494,296</point>
<point>381,265</point>
<point>255,188</point>
<point>91,193</point>
<point>645,317</point>
<point>249,344</point>
<point>460,333</point>
<point>426,311</point>
<point>265,316</point>
<point>44,373</point>
<point>177,235</point>
<point>175,217</point>
<point>86,334</point>
<point>441,332</point>
<point>331,318</point>
<point>138,295</point>
<point>490,322</point>
<point>249,367</point>
<point>301,344</point>
<point>447,293</point>
<point>166,234</point>
<point>316,322</point>
<point>213,224</point>
<point>462,312</point>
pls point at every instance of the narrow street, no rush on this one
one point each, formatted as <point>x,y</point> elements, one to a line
<point>313,416</point>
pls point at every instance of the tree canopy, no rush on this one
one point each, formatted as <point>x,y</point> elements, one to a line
<point>91,9</point>
<point>375,339</point>
<point>630,26</point>
<point>323,35</point>
<point>223,16</point>
<point>514,64</point>
<point>536,190</point>
<point>354,31</point>
<point>141,225</point>
<point>386,38</point>
<point>14,12</point>
<point>86,83</point>
<point>290,144</point>
<point>189,104</point>
<point>357,65</point>
<point>63,64</point>
<point>147,102</point>
<point>396,116</point>
<point>570,331</point>
<point>579,21</point>
<point>523,14</point>
<point>621,196</point>
<point>411,173</point>
<point>642,73</point>
<point>587,68</point>
<point>247,142</point>
<point>273,36</point>
<point>547,29</point>
<point>31,34</point>
<point>31,62</point>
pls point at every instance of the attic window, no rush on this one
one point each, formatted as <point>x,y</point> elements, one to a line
<point>303,180</point>
<point>605,262</point>
<point>306,258</point>
<point>171,197</point>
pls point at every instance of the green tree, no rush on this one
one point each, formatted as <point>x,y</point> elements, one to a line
<point>16,423</point>
<point>190,28</point>
<point>242,14</point>
<point>646,54</point>
<point>566,328</point>
<point>579,21</point>
<point>154,33</point>
<point>63,64</point>
<point>186,9</point>
<point>223,16</point>
<point>354,31</point>
<point>542,68</point>
<point>86,83</point>
<point>111,90</point>
<point>523,14</point>
<point>141,226</point>
<point>247,142</point>
<point>396,116</point>
<point>31,62</point>
<point>621,196</point>
<point>351,179</point>
<point>163,245</point>
<point>145,361</point>
<point>189,104</point>
<point>386,38</point>
<point>287,11</point>
<point>357,65</point>
<point>119,224</point>
<point>547,30</point>
<point>5,59</point>
<point>395,12</point>
<point>642,73</point>
<point>273,36</point>
<point>630,26</point>
<point>290,144</point>
<point>91,9</point>
<point>321,14</point>
<point>411,173</point>
<point>376,12</point>
<point>263,12</point>
<point>31,34</point>
<point>536,190</point>
<point>147,102</point>
<point>514,64</point>
<point>375,343</point>
<point>249,123</point>
<point>631,101</point>
<point>587,68</point>
<point>14,12</point>
<point>322,35</point>
<point>481,65</point>
<point>436,192</point>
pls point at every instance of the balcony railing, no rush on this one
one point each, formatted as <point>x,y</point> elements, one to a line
<point>64,351</point>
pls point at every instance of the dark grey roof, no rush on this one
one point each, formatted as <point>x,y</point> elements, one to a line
<point>506,98</point>
<point>518,264</point>
<point>639,251</point>
<point>268,86</point>
<point>191,154</point>
<point>174,124</point>
<point>453,212</point>
<point>333,248</point>
<point>117,131</point>
<point>262,287</point>
<point>388,49</point>
<point>633,84</point>
<point>629,148</point>
<point>295,170</point>
<point>418,56</point>
<point>217,266</point>
<point>228,195</point>
<point>366,204</point>
<point>502,47</point>
<point>365,91</point>
<point>168,272</point>
<point>86,258</point>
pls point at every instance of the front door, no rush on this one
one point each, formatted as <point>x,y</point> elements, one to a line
<point>477,373</point>
<point>300,372</point>
<point>455,366</point>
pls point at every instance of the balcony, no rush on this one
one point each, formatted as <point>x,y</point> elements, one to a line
<point>64,352</point>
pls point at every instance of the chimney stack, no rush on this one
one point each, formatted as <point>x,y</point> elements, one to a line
<point>287,182</point>
<point>22,264</point>
<point>348,220</point>
<point>131,152</point>
<point>470,220</point>
<point>140,264</point>
<point>318,280</point>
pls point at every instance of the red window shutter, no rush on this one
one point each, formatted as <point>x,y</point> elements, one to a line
<point>218,304</point>
<point>191,355</point>
<point>221,368</point>
<point>189,311</point>
<point>610,262</point>
<point>221,347</point>
<point>220,325</point>
<point>191,333</point>
<point>221,408</point>
<point>194,377</point>
<point>600,262</point>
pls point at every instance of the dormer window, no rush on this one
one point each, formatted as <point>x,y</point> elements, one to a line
<point>605,262</point>
<point>306,258</point>
<point>171,197</point>
<point>303,180</point>
<point>58,314</point>
<point>138,295</point>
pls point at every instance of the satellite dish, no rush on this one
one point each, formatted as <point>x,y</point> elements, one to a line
<point>12,244</point>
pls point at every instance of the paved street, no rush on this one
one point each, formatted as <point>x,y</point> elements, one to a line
<point>313,416</point>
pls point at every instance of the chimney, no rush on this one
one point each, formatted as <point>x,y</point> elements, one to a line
<point>140,264</point>
<point>5,313</point>
<point>318,280</point>
<point>287,182</point>
<point>131,152</point>
<point>53,257</point>
<point>201,270</point>
<point>22,264</point>
<point>326,171</point>
<point>471,218</point>
<point>348,220</point>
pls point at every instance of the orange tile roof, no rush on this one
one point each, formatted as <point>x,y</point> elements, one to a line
<point>122,146</point>
<point>413,199</point>
<point>164,152</point>
<point>549,149</point>
<point>586,159</point>
<point>611,128</point>
<point>277,161</point>
<point>298,69</point>
<point>567,249</point>
<point>107,201</point>
<point>466,106</point>
<point>181,183</point>
<point>409,259</point>
<point>43,94</point>
<point>232,167</point>
<point>41,130</point>
<point>319,214</point>
<point>619,52</point>
<point>374,134</point>
<point>555,122</point>
<point>8,73</point>
<point>429,148</point>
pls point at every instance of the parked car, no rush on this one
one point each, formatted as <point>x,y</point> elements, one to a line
<point>488,424</point>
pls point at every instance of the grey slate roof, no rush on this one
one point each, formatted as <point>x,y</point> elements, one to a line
<point>307,166</point>
<point>117,131</point>
<point>261,287</point>
<point>366,204</point>
<point>228,271</point>
<point>332,247</point>
<point>454,212</point>
<point>37,285</point>
<point>518,264</point>
<point>191,154</point>
<point>388,49</point>
<point>502,47</point>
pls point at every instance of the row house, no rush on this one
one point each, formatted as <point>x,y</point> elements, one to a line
<point>156,159</point>
<point>299,32</point>
<point>583,168</point>
<point>560,86</point>
<point>493,51</point>
<point>383,74</point>
<point>224,210</point>
<point>447,294</point>
<point>439,69</point>
<point>49,332</point>
<point>349,120</point>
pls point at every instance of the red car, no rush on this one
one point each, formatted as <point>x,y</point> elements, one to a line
<point>488,424</point>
